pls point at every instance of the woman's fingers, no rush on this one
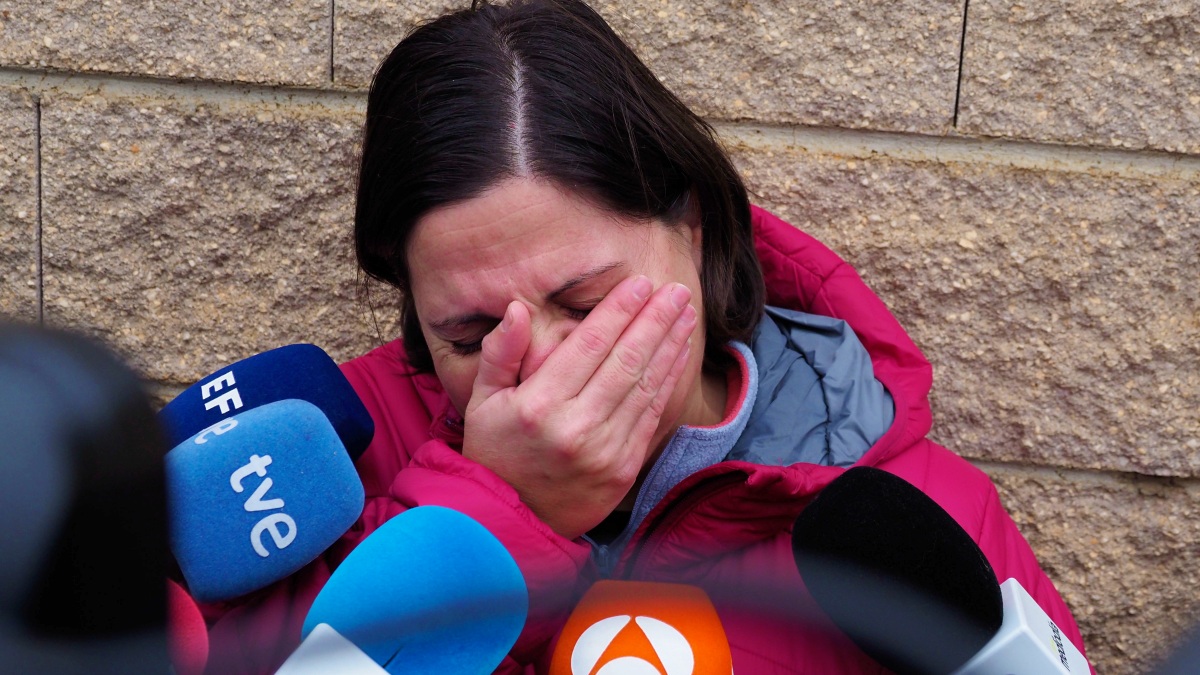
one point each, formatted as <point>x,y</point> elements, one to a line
<point>651,414</point>
<point>501,354</point>
<point>576,431</point>
<point>634,378</point>
<point>573,363</point>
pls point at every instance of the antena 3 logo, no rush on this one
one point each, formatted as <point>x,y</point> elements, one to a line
<point>642,628</point>
<point>634,645</point>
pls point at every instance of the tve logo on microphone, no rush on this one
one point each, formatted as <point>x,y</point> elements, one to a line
<point>642,628</point>
<point>256,496</point>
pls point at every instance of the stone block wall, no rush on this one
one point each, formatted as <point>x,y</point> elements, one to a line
<point>1020,182</point>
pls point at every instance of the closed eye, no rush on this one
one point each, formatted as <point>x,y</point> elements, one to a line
<point>466,348</point>
<point>579,314</point>
<point>467,338</point>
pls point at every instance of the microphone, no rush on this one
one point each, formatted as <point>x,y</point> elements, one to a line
<point>430,591</point>
<point>325,651</point>
<point>640,627</point>
<point>187,634</point>
<point>901,578</point>
<point>300,371</point>
<point>257,496</point>
<point>1028,641</point>
<point>82,490</point>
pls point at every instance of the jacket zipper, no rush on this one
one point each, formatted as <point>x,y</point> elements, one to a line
<point>702,490</point>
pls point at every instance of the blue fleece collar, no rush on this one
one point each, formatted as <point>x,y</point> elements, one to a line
<point>692,449</point>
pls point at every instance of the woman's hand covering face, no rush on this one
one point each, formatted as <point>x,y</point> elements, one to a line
<point>573,437</point>
<point>560,331</point>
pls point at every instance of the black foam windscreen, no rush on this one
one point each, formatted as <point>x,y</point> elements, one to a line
<point>896,573</point>
<point>84,491</point>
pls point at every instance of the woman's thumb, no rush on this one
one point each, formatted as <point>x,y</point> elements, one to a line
<point>501,354</point>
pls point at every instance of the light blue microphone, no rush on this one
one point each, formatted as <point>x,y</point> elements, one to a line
<point>430,591</point>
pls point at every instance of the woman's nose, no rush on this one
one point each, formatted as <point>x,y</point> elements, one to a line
<point>546,338</point>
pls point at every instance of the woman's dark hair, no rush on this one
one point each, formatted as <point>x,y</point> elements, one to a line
<point>545,89</point>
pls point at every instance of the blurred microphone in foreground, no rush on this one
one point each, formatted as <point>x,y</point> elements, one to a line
<point>430,591</point>
<point>642,627</point>
<point>905,582</point>
<point>84,527</point>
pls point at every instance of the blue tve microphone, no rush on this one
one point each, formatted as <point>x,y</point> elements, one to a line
<point>430,591</point>
<point>257,496</point>
<point>299,371</point>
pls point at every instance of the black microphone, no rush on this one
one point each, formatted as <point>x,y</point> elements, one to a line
<point>82,578</point>
<point>905,582</point>
<point>896,573</point>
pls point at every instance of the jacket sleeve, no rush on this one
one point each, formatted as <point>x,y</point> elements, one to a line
<point>1012,557</point>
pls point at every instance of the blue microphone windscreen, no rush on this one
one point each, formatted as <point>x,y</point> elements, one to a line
<point>430,591</point>
<point>299,371</point>
<point>258,496</point>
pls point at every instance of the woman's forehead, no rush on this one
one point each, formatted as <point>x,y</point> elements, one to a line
<point>519,221</point>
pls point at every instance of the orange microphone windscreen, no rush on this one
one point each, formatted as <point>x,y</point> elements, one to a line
<point>642,628</point>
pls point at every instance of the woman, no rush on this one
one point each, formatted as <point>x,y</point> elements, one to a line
<point>589,366</point>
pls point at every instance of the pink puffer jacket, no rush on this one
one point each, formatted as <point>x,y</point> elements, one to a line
<point>726,528</point>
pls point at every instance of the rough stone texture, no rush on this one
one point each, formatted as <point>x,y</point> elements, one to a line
<point>270,42</point>
<point>192,234</point>
<point>160,395</point>
<point>1122,550</point>
<point>851,63</point>
<point>18,206</point>
<point>1061,310</point>
<point>364,31</point>
<point>1075,71</point>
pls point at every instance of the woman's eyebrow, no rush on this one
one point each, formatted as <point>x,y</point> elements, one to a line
<point>586,276</point>
<point>460,321</point>
<point>480,317</point>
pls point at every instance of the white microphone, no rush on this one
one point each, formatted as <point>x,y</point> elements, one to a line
<point>1028,642</point>
<point>325,651</point>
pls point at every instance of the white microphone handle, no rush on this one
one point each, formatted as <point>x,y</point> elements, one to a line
<point>1028,642</point>
<point>325,651</point>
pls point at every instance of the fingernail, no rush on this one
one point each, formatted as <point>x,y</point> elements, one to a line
<point>688,316</point>
<point>642,288</point>
<point>680,296</point>
<point>508,319</point>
